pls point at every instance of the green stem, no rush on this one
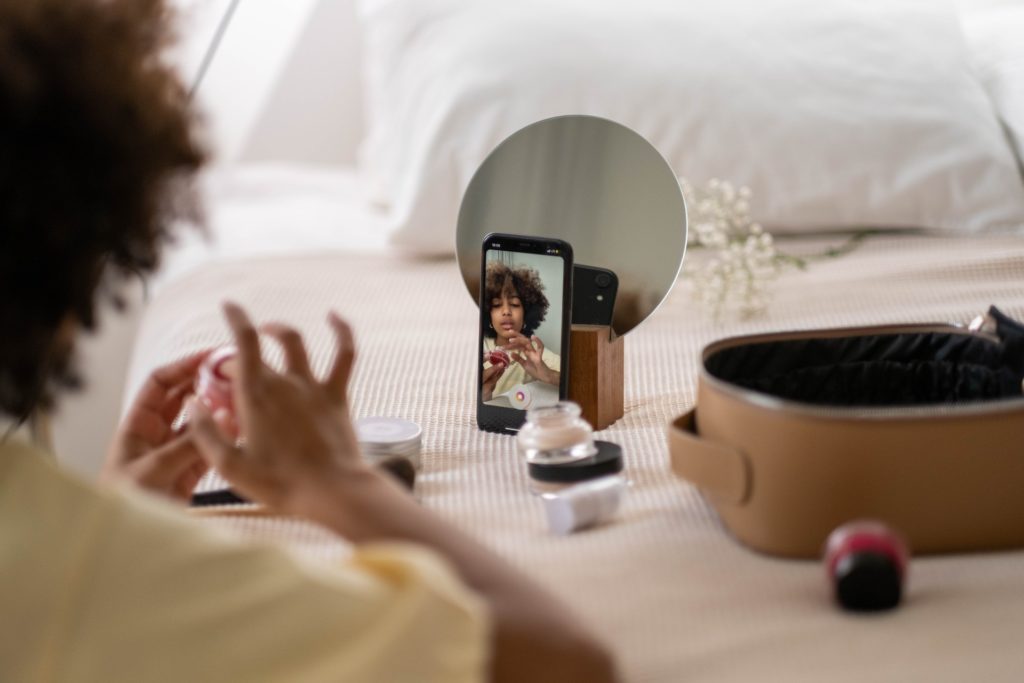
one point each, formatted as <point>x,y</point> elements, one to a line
<point>852,243</point>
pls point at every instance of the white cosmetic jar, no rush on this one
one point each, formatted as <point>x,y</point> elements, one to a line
<point>556,434</point>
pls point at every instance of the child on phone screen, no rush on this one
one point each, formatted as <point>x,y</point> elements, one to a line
<point>514,354</point>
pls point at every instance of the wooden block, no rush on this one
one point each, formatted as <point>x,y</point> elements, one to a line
<point>596,370</point>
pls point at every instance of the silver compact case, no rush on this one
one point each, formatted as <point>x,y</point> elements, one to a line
<point>381,438</point>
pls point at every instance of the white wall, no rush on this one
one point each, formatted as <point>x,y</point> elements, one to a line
<point>84,422</point>
<point>284,86</point>
<point>285,81</point>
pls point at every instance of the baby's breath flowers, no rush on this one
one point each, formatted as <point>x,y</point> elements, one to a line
<point>737,277</point>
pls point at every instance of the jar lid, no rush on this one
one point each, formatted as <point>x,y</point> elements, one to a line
<point>607,460</point>
<point>385,437</point>
<point>387,430</point>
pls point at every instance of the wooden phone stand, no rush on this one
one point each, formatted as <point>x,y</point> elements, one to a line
<point>596,370</point>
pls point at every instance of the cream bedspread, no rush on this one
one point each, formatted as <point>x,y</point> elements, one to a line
<point>676,596</point>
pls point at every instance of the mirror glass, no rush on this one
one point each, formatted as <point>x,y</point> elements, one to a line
<point>600,187</point>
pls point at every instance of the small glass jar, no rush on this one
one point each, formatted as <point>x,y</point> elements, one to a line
<point>556,434</point>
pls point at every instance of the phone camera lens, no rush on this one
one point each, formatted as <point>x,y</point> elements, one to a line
<point>603,279</point>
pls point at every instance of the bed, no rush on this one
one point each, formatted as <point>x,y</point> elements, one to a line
<point>676,597</point>
<point>664,583</point>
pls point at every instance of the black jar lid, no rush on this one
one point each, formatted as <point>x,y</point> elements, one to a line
<point>607,460</point>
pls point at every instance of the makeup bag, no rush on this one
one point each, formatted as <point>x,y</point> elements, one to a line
<point>921,426</point>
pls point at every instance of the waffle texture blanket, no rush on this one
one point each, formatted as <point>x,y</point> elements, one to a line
<point>678,598</point>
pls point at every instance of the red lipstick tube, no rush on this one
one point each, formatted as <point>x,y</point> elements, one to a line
<point>866,563</point>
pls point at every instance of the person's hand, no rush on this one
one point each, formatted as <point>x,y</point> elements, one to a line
<point>529,353</point>
<point>146,450</point>
<point>297,432</point>
<point>491,376</point>
<point>300,457</point>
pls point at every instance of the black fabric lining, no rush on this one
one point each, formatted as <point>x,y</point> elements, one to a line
<point>879,370</point>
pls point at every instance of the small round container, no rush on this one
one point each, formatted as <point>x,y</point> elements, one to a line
<point>381,438</point>
<point>866,563</point>
<point>213,383</point>
<point>549,478</point>
<point>556,434</point>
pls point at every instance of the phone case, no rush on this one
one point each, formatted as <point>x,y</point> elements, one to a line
<point>594,290</point>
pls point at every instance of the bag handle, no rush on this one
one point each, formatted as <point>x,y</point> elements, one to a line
<point>720,471</point>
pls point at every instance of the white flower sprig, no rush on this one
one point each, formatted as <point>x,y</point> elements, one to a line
<point>737,277</point>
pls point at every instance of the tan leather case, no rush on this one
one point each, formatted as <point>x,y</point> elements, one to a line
<point>782,474</point>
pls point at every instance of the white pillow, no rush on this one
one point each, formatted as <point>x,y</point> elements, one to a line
<point>995,37</point>
<point>839,114</point>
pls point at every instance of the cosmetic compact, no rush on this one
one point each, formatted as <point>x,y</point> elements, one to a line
<point>381,438</point>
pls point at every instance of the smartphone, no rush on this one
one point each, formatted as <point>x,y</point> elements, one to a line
<point>593,295</point>
<point>523,340</point>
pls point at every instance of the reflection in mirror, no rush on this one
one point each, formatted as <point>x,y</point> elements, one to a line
<point>600,187</point>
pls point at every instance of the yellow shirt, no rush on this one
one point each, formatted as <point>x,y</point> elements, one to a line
<point>112,586</point>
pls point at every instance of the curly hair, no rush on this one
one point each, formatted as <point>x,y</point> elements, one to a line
<point>97,152</point>
<point>523,282</point>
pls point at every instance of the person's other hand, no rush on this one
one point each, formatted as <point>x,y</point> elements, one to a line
<point>529,353</point>
<point>146,450</point>
<point>300,457</point>
<point>491,376</point>
<point>296,429</point>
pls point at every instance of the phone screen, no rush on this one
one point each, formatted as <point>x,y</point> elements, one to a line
<point>524,326</point>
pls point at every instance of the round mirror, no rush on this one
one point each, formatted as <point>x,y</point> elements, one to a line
<point>600,187</point>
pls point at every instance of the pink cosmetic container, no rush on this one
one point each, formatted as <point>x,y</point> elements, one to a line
<point>498,357</point>
<point>213,385</point>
